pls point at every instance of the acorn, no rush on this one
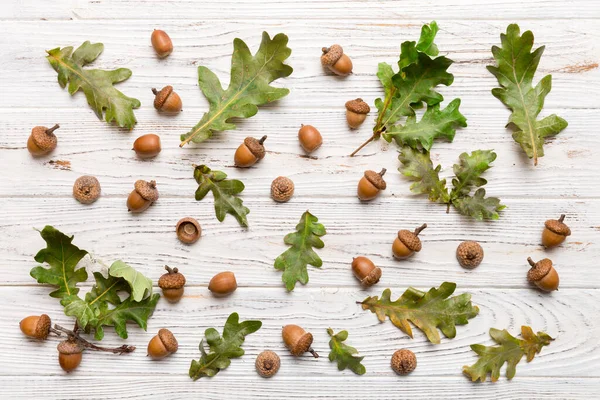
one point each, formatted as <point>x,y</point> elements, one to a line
<point>543,274</point>
<point>356,112</point>
<point>282,189</point>
<point>86,189</point>
<point>142,197</point>
<point>404,362</point>
<point>42,140</point>
<point>267,363</point>
<point>249,152</point>
<point>188,230</point>
<point>297,340</point>
<point>161,42</point>
<point>172,284</point>
<point>334,58</point>
<point>147,146</point>
<point>365,271</point>
<point>469,254</point>
<point>37,327</point>
<point>555,232</point>
<point>222,284</point>
<point>162,345</point>
<point>310,138</point>
<point>407,243</point>
<point>370,185</point>
<point>167,100</point>
<point>69,354</point>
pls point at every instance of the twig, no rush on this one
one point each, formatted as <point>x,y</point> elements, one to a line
<point>91,346</point>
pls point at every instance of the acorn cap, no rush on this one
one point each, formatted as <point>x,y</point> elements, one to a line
<point>358,106</point>
<point>172,279</point>
<point>558,227</point>
<point>469,254</point>
<point>539,270</point>
<point>282,189</point>
<point>42,328</point>
<point>161,96</point>
<point>411,239</point>
<point>256,146</point>
<point>44,138</point>
<point>376,179</point>
<point>404,361</point>
<point>69,347</point>
<point>372,278</point>
<point>188,230</point>
<point>86,189</point>
<point>267,363</point>
<point>331,54</point>
<point>147,189</point>
<point>168,340</point>
<point>302,345</point>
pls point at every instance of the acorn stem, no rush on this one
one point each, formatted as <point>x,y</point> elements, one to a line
<point>363,145</point>
<point>171,270</point>
<point>419,229</point>
<point>55,331</point>
<point>50,130</point>
<point>325,50</point>
<point>562,218</point>
<point>383,171</point>
<point>262,139</point>
<point>154,91</point>
<point>530,261</point>
<point>314,353</point>
<point>88,345</point>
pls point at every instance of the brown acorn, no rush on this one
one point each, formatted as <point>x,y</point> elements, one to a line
<point>249,152</point>
<point>69,354</point>
<point>356,112</point>
<point>297,340</point>
<point>267,363</point>
<point>162,345</point>
<point>469,254</point>
<point>167,100</point>
<point>142,197</point>
<point>86,189</point>
<point>365,271</point>
<point>222,284</point>
<point>282,189</point>
<point>147,146</point>
<point>334,58</point>
<point>555,232</point>
<point>543,274</point>
<point>404,362</point>
<point>42,140</point>
<point>188,230</point>
<point>172,284</point>
<point>370,185</point>
<point>161,42</point>
<point>407,243</point>
<point>37,327</point>
<point>310,138</point>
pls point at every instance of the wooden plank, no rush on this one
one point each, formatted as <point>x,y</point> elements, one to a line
<point>148,241</point>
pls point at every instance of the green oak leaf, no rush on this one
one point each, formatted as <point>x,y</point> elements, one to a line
<point>478,206</point>
<point>509,350</point>
<point>293,261</point>
<point>418,167</point>
<point>127,310</point>
<point>515,68</point>
<point>63,257</point>
<point>344,355</point>
<point>434,124</point>
<point>427,311</point>
<point>140,285</point>
<point>224,192</point>
<point>248,86</point>
<point>96,84</point>
<point>468,171</point>
<point>222,349</point>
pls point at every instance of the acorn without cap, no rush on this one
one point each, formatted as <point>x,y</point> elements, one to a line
<point>404,362</point>
<point>69,354</point>
<point>162,345</point>
<point>334,58</point>
<point>188,230</point>
<point>282,189</point>
<point>267,363</point>
<point>407,243</point>
<point>161,42</point>
<point>310,138</point>
<point>555,232</point>
<point>356,112</point>
<point>469,254</point>
<point>223,284</point>
<point>86,189</point>
<point>37,327</point>
<point>365,271</point>
<point>297,340</point>
<point>172,284</point>
<point>370,185</point>
<point>167,100</point>
<point>142,196</point>
<point>147,146</point>
<point>42,140</point>
<point>543,274</point>
<point>249,152</point>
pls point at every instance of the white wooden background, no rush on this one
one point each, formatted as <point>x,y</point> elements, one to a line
<point>36,192</point>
